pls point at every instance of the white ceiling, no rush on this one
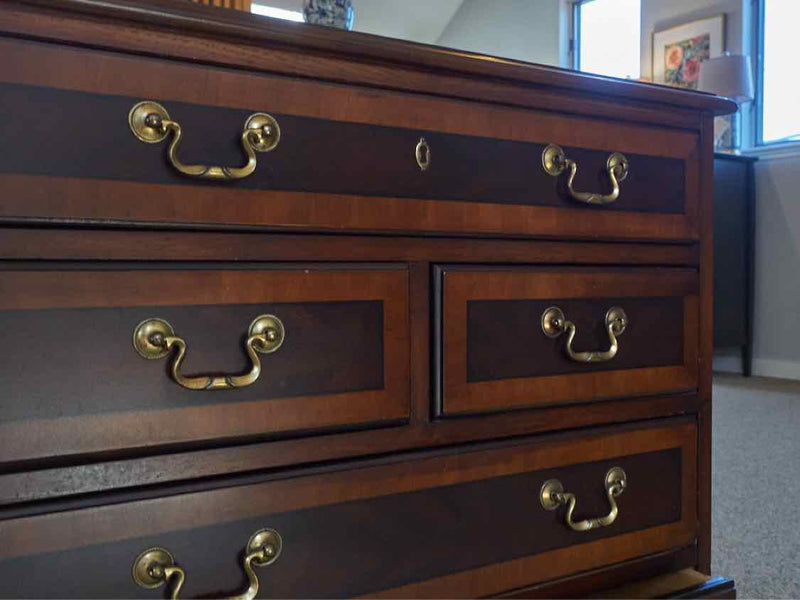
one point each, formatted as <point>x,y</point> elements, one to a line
<point>415,20</point>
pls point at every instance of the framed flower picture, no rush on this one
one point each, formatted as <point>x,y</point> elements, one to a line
<point>678,51</point>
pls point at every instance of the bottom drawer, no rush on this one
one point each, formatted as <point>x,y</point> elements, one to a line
<point>466,523</point>
<point>686,583</point>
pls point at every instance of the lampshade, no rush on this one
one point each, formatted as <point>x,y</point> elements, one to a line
<point>728,75</point>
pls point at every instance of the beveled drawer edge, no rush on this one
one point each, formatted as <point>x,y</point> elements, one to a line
<point>587,582</point>
<point>130,478</point>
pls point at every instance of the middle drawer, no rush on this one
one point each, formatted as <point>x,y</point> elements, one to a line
<point>525,337</point>
<point>234,355</point>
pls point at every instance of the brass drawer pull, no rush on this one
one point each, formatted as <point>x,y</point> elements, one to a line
<point>155,566</point>
<point>553,495</point>
<point>423,154</point>
<point>556,162</point>
<point>155,338</point>
<point>150,122</point>
<point>554,323</point>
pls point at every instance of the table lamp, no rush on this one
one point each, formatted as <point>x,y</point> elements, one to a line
<point>728,75</point>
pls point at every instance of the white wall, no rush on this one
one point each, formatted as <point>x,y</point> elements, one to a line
<point>528,30</point>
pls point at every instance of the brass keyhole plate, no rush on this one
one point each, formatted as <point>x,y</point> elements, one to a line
<point>422,152</point>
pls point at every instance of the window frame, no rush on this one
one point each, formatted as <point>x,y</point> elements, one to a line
<point>575,38</point>
<point>759,20</point>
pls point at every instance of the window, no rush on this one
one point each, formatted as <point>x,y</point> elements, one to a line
<point>778,96</point>
<point>608,37</point>
<point>276,13</point>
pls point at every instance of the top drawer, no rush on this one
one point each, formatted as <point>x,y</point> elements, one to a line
<point>347,157</point>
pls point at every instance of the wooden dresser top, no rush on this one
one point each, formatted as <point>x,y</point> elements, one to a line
<point>175,18</point>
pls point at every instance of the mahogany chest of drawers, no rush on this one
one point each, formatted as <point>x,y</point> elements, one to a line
<point>290,312</point>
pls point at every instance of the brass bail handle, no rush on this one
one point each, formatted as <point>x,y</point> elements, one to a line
<point>555,162</point>
<point>552,495</point>
<point>554,323</point>
<point>155,338</point>
<point>156,566</point>
<point>151,123</point>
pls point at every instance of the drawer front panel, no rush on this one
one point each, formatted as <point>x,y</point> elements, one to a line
<point>343,362</point>
<point>346,156</point>
<point>394,530</point>
<point>495,355</point>
<point>314,155</point>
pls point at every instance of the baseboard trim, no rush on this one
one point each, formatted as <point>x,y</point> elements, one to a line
<point>725,363</point>
<point>763,367</point>
<point>783,369</point>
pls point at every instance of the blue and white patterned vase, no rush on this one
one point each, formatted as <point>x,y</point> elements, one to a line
<point>331,13</point>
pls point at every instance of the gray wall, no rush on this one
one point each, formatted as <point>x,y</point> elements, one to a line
<point>777,267</point>
<point>529,30</point>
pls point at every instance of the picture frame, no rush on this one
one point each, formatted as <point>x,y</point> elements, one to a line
<point>678,51</point>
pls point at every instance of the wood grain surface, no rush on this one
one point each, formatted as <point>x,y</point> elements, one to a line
<point>344,361</point>
<point>495,356</point>
<point>183,31</point>
<point>487,163</point>
<point>416,507</point>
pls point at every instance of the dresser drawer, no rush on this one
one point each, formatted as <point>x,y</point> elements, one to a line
<point>527,337</point>
<point>346,158</point>
<point>454,525</point>
<point>332,352</point>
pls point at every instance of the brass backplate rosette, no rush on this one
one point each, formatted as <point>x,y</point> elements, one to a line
<point>265,539</point>
<point>138,121</point>
<point>144,334</point>
<point>148,568</point>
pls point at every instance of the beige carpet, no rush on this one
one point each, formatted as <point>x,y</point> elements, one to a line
<point>756,483</point>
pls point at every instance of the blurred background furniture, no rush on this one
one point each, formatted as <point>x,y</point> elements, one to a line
<point>734,228</point>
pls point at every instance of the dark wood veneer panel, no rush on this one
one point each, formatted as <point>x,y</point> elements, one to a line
<point>493,355</point>
<point>401,538</point>
<point>505,339</point>
<point>88,137</point>
<point>84,389</point>
<point>87,364</point>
